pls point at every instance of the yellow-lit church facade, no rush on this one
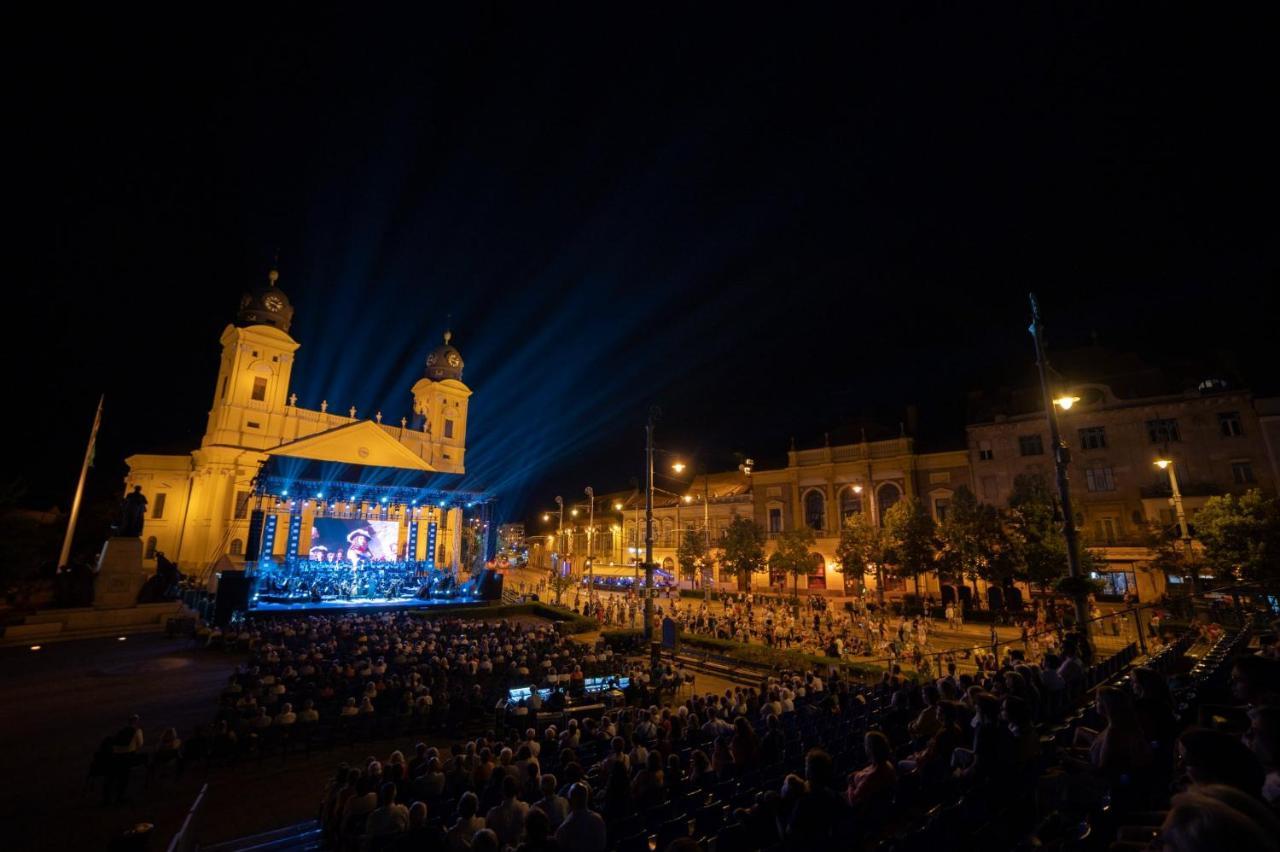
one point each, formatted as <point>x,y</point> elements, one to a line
<point>200,504</point>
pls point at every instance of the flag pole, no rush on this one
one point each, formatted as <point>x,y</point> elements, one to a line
<point>84,473</point>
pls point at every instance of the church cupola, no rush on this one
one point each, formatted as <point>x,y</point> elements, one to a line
<point>444,362</point>
<point>266,306</point>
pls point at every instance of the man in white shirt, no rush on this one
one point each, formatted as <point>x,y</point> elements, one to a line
<point>583,830</point>
<point>507,819</point>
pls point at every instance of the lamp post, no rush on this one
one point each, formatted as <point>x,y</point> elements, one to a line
<point>679,467</point>
<point>1061,458</point>
<point>560,528</point>
<point>622,525</point>
<point>1184,532</point>
<point>591,531</point>
<point>648,527</point>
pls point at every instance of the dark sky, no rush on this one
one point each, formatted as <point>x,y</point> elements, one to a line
<point>769,225</point>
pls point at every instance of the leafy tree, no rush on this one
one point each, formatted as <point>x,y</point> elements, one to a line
<point>977,542</point>
<point>794,555</point>
<point>1241,536</point>
<point>910,533</point>
<point>692,554</point>
<point>742,550</point>
<point>1037,532</point>
<point>862,548</point>
<point>557,581</point>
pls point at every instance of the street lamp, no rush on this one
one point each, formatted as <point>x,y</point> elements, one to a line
<point>560,531</point>
<point>591,530</point>
<point>679,467</point>
<point>1061,458</point>
<point>1184,532</point>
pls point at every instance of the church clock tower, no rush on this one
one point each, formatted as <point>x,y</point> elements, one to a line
<point>252,391</point>
<point>441,398</point>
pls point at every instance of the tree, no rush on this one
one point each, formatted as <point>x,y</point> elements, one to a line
<point>692,554</point>
<point>1042,550</point>
<point>742,550</point>
<point>557,581</point>
<point>910,534</point>
<point>976,541</point>
<point>862,549</point>
<point>1241,536</point>
<point>794,556</point>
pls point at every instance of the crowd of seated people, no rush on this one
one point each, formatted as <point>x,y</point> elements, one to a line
<point>808,761</point>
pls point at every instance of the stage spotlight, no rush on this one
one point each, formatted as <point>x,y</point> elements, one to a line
<point>284,493</point>
<point>121,638</point>
<point>35,647</point>
<point>384,499</point>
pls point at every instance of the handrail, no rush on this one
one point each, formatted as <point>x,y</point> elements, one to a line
<point>184,840</point>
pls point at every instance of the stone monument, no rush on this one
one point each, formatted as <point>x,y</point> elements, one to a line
<point>120,573</point>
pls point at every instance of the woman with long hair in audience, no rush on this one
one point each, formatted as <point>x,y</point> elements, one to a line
<point>1121,746</point>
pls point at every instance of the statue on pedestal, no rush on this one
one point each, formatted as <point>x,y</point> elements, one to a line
<point>133,510</point>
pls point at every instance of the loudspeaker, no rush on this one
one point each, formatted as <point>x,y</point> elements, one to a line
<point>489,588</point>
<point>233,596</point>
<point>253,543</point>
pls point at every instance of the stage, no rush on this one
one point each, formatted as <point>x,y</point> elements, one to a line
<point>369,605</point>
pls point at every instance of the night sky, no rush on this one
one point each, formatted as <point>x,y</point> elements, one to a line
<point>771,226</point>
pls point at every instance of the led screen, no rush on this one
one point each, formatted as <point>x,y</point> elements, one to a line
<point>354,541</point>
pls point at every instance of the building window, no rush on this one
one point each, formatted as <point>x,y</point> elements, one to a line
<point>1163,431</point>
<point>448,428</point>
<point>259,389</point>
<point>150,552</point>
<point>1242,473</point>
<point>1105,529</point>
<point>1093,438</point>
<point>1099,479</point>
<point>886,495</point>
<point>1229,424</point>
<point>815,510</point>
<point>989,489</point>
<point>157,506</point>
<point>242,505</point>
<point>940,506</point>
<point>775,520</point>
<point>253,424</point>
<point>850,504</point>
<point>984,451</point>
<point>1030,445</point>
<point>237,547</point>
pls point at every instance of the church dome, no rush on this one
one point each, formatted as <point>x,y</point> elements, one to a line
<point>444,362</point>
<point>266,305</point>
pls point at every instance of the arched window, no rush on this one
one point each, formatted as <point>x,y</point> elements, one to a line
<point>151,548</point>
<point>237,547</point>
<point>815,510</point>
<point>817,579</point>
<point>850,504</point>
<point>668,532</point>
<point>886,495</point>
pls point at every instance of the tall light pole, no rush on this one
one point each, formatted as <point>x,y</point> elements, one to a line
<point>560,528</point>
<point>591,537</point>
<point>648,525</point>
<point>1184,532</point>
<point>1061,458</point>
<point>622,525</point>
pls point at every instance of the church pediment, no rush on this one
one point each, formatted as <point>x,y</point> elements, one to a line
<point>364,443</point>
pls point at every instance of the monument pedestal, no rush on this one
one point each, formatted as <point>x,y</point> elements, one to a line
<point>120,574</point>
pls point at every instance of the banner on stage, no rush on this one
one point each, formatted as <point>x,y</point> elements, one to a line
<point>354,541</point>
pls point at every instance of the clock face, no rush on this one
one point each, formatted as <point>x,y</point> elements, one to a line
<point>453,359</point>
<point>273,302</point>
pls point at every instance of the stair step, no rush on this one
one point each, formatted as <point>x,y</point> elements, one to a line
<point>291,838</point>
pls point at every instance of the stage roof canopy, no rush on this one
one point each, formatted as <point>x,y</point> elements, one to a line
<point>358,462</point>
